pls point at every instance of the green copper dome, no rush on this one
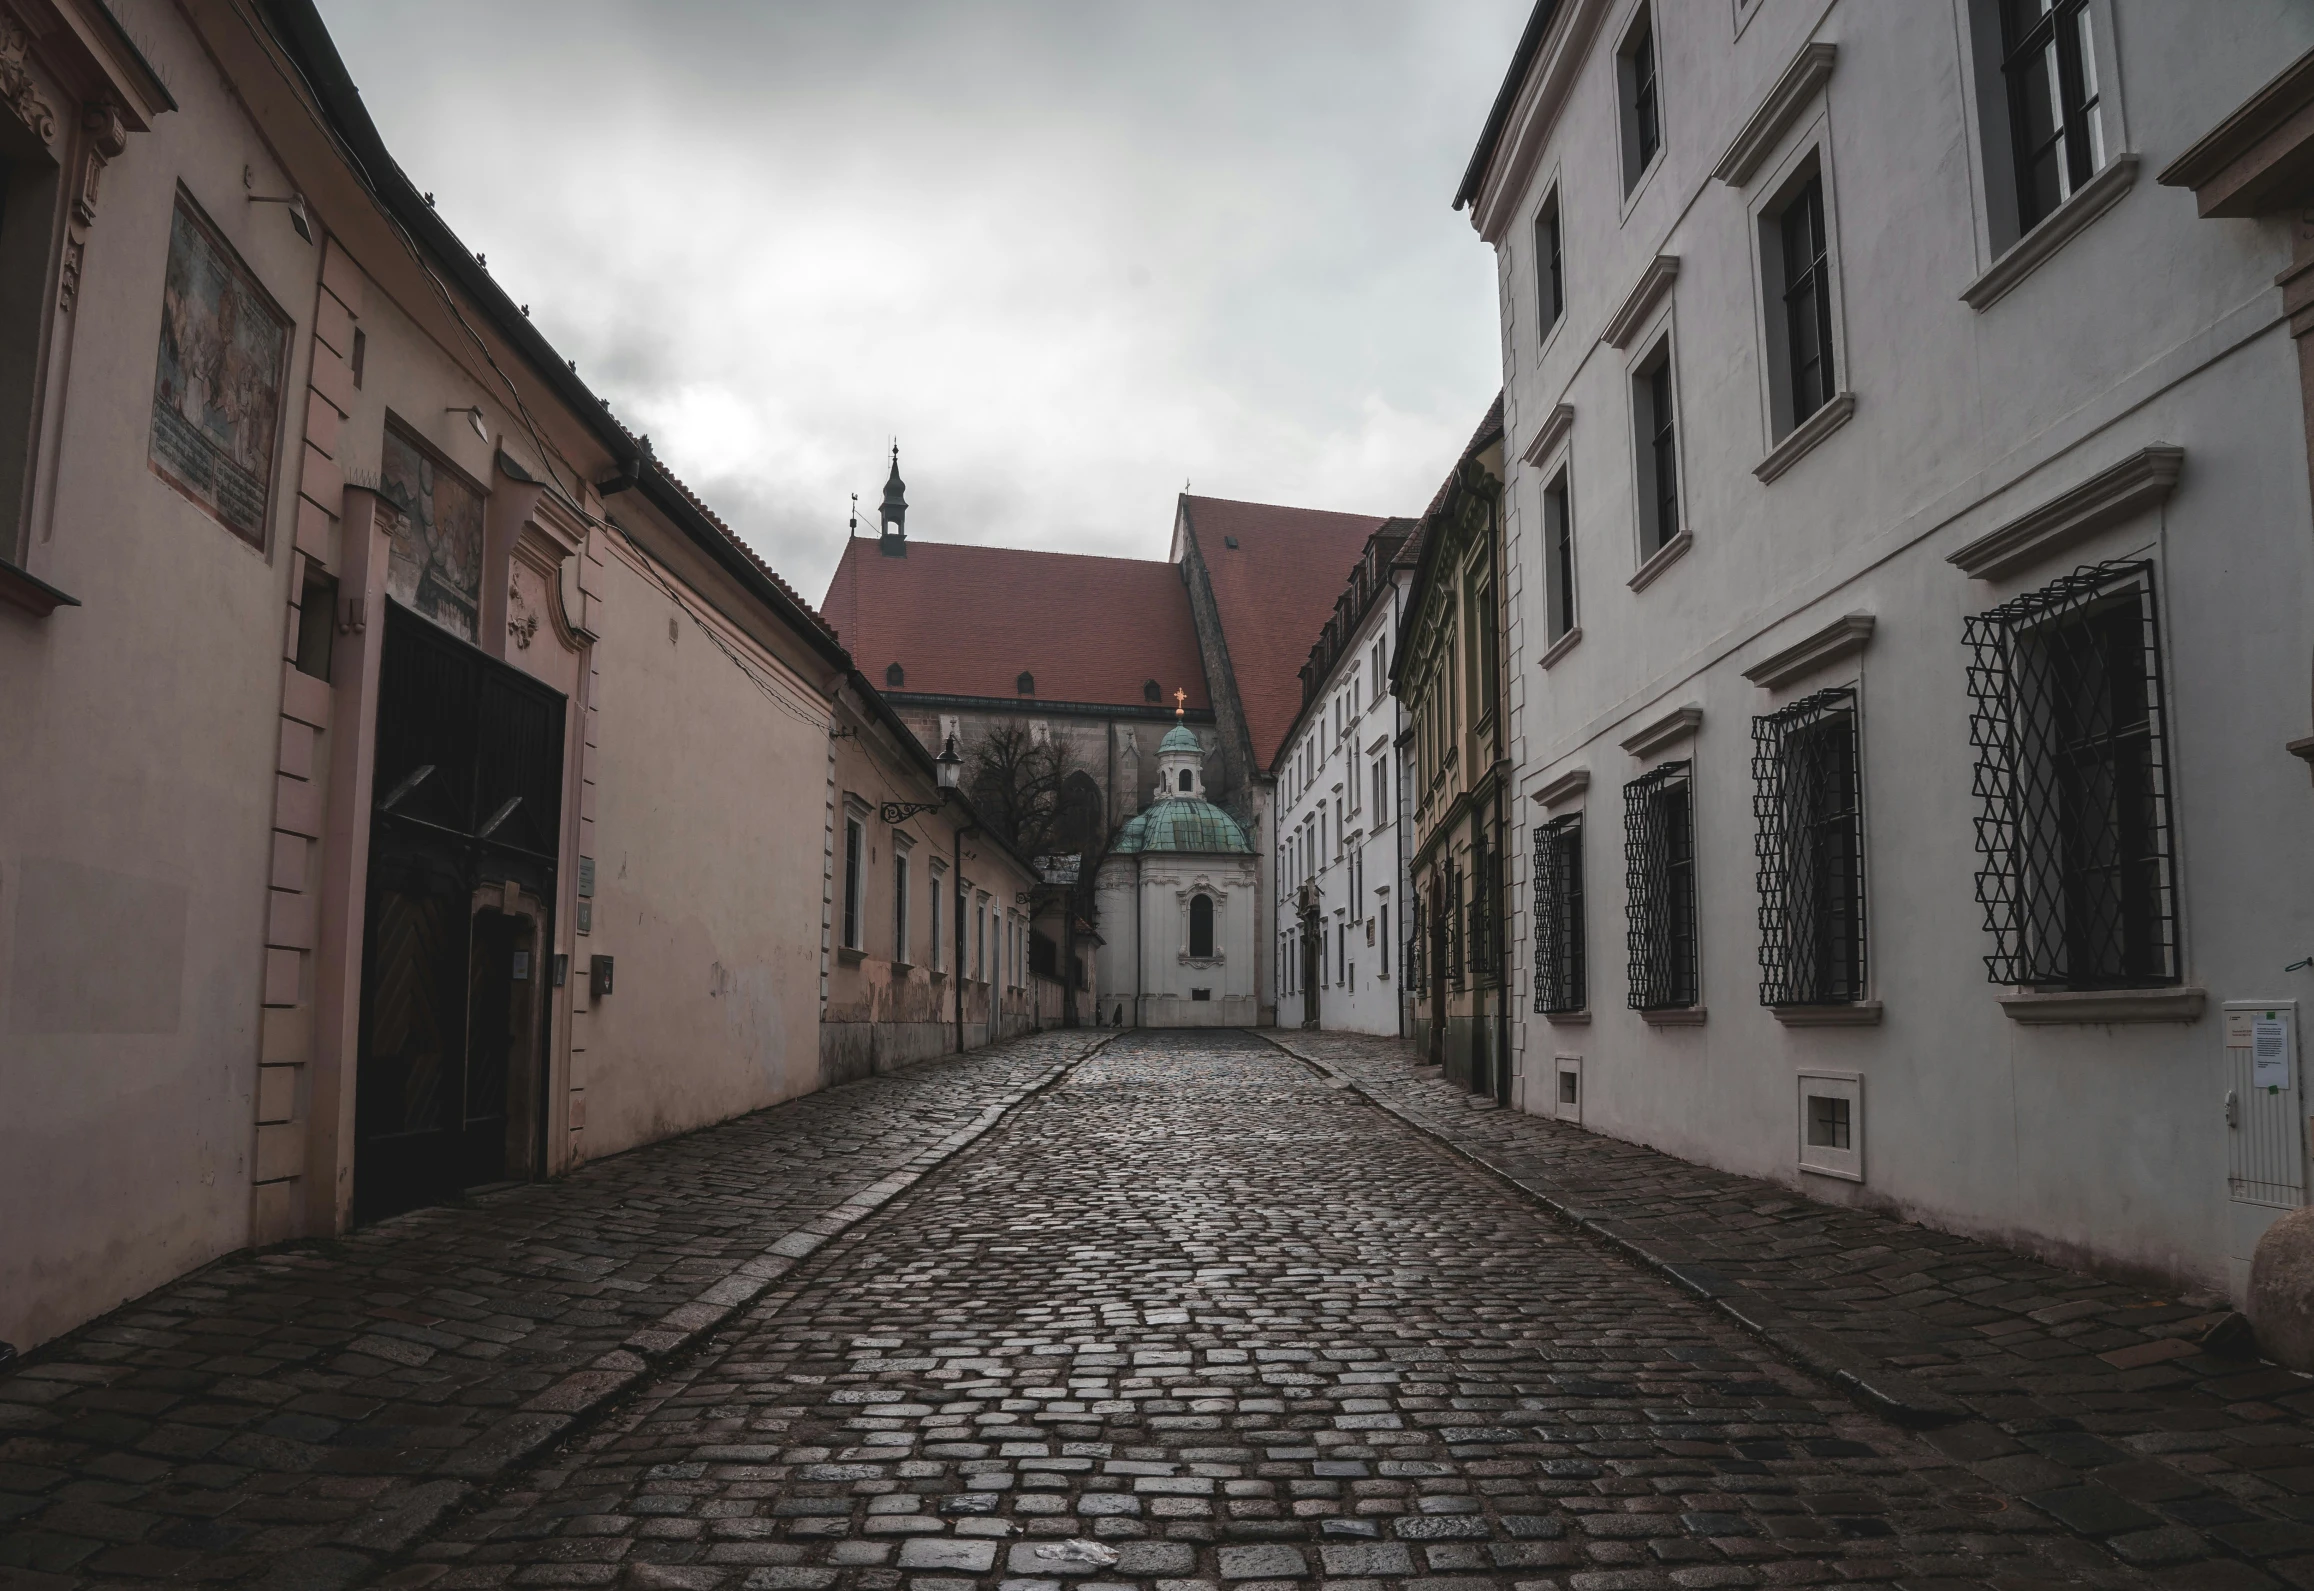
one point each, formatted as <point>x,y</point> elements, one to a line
<point>1182,823</point>
<point>1179,738</point>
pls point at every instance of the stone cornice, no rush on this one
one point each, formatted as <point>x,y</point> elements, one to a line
<point>1802,438</point>
<point>1672,728</point>
<point>1653,283</point>
<point>1807,73</point>
<point>1843,637</point>
<point>2113,494</point>
<point>1555,426</point>
<point>2025,256</point>
<point>1564,788</point>
<point>2261,158</point>
<point>1549,84</point>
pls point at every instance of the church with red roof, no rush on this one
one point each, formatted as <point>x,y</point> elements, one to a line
<point>1094,654</point>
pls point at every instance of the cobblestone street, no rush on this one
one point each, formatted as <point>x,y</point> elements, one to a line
<point>1197,1315</point>
<point>1200,1317</point>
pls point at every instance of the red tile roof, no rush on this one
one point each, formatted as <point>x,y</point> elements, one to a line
<point>966,621</point>
<point>1273,591</point>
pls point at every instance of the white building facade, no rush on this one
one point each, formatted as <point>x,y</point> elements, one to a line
<point>1909,604</point>
<point>1339,871</point>
<point>1178,894</point>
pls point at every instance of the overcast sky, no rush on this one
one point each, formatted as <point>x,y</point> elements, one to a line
<point>1071,254</point>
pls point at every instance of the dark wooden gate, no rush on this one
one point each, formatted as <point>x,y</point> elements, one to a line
<point>467,795</point>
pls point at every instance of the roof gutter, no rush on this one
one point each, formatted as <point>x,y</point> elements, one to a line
<point>298,28</point>
<point>1530,41</point>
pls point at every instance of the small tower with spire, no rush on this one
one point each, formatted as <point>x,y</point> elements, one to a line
<point>892,540</point>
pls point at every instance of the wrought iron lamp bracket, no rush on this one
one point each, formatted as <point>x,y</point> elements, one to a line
<point>902,811</point>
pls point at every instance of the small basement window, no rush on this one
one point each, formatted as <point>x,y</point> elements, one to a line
<point>316,623</point>
<point>1832,1124</point>
<point>1201,994</point>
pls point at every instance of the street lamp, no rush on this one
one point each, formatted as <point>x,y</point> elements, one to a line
<point>948,767</point>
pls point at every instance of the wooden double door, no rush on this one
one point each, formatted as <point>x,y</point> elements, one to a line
<point>458,950</point>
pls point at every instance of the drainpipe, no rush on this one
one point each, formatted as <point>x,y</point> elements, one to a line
<point>1140,971</point>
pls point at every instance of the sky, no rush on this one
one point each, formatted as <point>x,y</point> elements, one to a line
<point>1071,255</point>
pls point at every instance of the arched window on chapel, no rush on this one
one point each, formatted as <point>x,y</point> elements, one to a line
<point>1185,781</point>
<point>1201,926</point>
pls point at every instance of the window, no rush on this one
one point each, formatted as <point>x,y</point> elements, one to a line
<point>1559,550</point>
<point>1654,424</point>
<point>1454,926</point>
<point>1642,112</point>
<point>2049,74</point>
<point>361,355</point>
<point>2072,770</point>
<point>1659,877</point>
<point>932,936</point>
<point>1804,309</point>
<point>1560,983</point>
<point>1809,802</point>
<point>1417,964</point>
<point>854,850</point>
<point>1832,1124</point>
<point>1342,954</point>
<point>1337,828</point>
<point>1550,282</point>
<point>1148,690</point>
<point>1484,874</point>
<point>1025,685</point>
<point>1384,946</point>
<point>1381,791</point>
<point>980,941</point>
<point>316,622</point>
<point>895,677</point>
<point>900,907</point>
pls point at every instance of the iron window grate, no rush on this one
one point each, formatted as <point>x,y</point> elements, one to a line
<point>2072,782</point>
<point>1659,876</point>
<point>1454,927</point>
<point>1807,795</point>
<point>1560,984</point>
<point>1484,967</point>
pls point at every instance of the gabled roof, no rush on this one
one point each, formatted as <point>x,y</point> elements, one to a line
<point>965,620</point>
<point>1272,591</point>
<point>1425,545</point>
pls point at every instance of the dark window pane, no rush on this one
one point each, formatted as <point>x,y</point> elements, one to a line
<point>1807,302</point>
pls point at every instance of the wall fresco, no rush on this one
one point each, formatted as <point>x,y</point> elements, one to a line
<point>436,561</point>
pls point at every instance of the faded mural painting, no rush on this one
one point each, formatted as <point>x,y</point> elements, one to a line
<point>217,394</point>
<point>436,566</point>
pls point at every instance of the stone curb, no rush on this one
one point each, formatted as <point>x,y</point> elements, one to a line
<point>1879,1388</point>
<point>548,1417</point>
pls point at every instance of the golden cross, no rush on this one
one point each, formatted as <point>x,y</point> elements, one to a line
<point>1179,696</point>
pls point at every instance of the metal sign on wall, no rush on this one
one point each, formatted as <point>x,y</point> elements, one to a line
<point>1059,869</point>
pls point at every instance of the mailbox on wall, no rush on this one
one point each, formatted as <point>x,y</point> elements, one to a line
<point>598,977</point>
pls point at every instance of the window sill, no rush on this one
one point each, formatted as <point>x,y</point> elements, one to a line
<point>1684,1016</point>
<point>903,966</point>
<point>2058,228</point>
<point>850,957</point>
<point>1802,438</point>
<point>1561,647</point>
<point>34,595</point>
<point>1863,1014</point>
<point>1662,558</point>
<point>1568,1019</point>
<point>2100,1006</point>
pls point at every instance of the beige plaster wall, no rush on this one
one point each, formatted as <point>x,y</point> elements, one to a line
<point>138,741</point>
<point>705,885</point>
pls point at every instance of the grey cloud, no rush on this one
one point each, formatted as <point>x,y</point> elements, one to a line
<point>1070,253</point>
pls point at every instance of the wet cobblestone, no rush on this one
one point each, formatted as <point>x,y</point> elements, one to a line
<point>290,1417</point>
<point>2092,1402</point>
<point>1199,1319</point>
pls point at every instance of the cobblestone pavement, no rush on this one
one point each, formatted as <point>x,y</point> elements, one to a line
<point>2093,1402</point>
<point>288,1416</point>
<point>1199,1317</point>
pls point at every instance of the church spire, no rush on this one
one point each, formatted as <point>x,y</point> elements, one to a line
<point>893,539</point>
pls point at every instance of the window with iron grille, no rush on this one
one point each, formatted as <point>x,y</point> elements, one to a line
<point>1454,927</point>
<point>2072,775</point>
<point>1560,984</point>
<point>2049,69</point>
<point>1485,877</point>
<point>1417,958</point>
<point>1659,878</point>
<point>1808,796</point>
<point>1807,302</point>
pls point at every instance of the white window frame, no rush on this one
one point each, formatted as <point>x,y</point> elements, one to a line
<point>1661,339</point>
<point>1810,154</point>
<point>852,910</point>
<point>1825,1160</point>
